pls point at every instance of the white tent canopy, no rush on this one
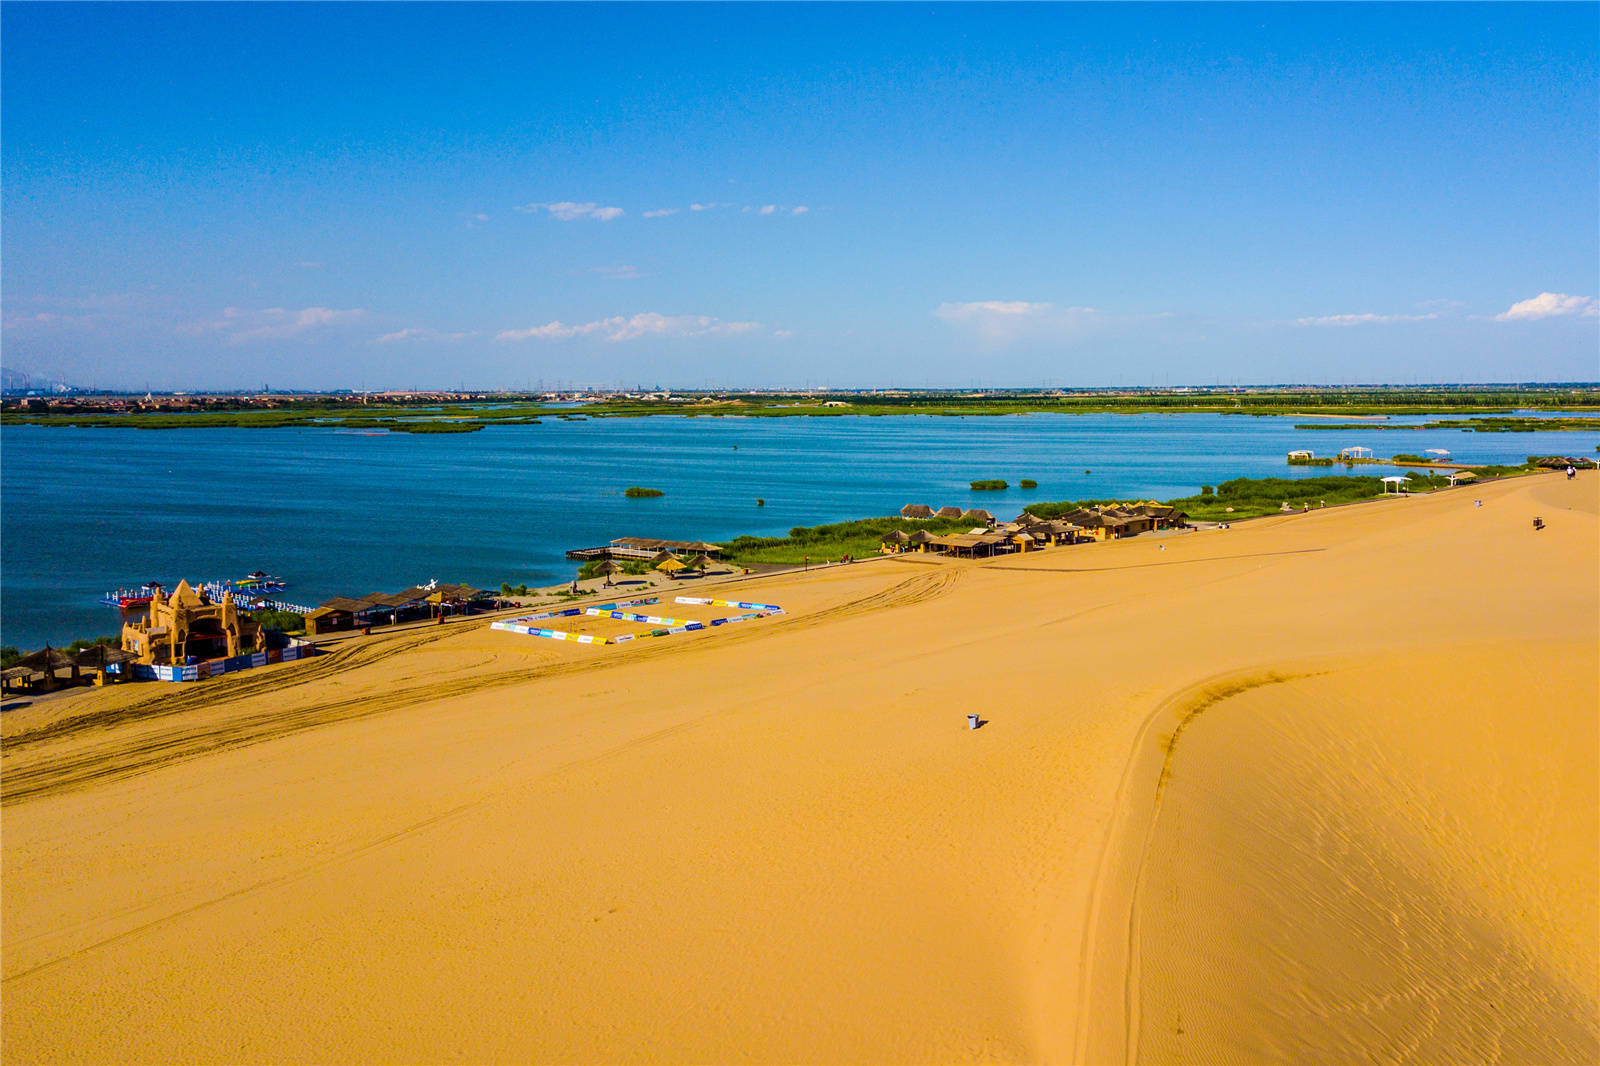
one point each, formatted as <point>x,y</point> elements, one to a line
<point>1396,480</point>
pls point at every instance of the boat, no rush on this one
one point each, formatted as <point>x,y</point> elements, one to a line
<point>132,598</point>
<point>260,581</point>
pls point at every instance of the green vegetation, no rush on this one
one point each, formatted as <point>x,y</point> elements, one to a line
<point>1497,424</point>
<point>1300,460</point>
<point>760,502</point>
<point>1407,457</point>
<point>991,485</point>
<point>279,621</point>
<point>356,412</point>
<point>1247,497</point>
<point>508,589</point>
<point>1559,462</point>
<point>1028,483</point>
<point>860,538</point>
<point>634,492</point>
<point>9,656</point>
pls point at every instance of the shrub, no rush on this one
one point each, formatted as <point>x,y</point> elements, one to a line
<point>1028,483</point>
<point>991,485</point>
<point>760,502</point>
<point>1207,490</point>
<point>9,656</point>
<point>281,621</point>
<point>635,492</point>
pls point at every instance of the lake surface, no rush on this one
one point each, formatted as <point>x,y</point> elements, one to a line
<point>337,512</point>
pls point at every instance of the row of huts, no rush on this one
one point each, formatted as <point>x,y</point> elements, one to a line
<point>1029,532</point>
<point>408,605</point>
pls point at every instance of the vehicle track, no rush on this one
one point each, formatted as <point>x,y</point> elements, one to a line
<point>116,758</point>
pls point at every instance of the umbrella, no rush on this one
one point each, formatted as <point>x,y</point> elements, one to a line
<point>609,567</point>
<point>700,562</point>
<point>897,536</point>
<point>100,656</point>
<point>671,566</point>
<point>921,536</point>
<point>661,556</point>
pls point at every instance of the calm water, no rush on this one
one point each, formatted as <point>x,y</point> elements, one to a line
<point>340,513</point>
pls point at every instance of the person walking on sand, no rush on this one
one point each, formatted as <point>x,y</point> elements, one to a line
<point>1571,473</point>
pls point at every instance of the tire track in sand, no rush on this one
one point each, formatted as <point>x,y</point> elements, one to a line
<point>117,758</point>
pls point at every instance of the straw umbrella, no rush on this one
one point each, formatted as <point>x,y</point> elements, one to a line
<point>921,538</point>
<point>671,566</point>
<point>700,562</point>
<point>608,568</point>
<point>48,660</point>
<point>660,557</point>
<point>897,536</point>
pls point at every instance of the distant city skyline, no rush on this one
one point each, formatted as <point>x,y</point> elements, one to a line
<point>720,196</point>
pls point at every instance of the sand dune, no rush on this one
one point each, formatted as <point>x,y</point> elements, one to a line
<point>779,841</point>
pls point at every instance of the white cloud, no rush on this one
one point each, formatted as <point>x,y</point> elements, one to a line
<point>422,333</point>
<point>1550,305</point>
<point>620,272</point>
<point>769,209</point>
<point>968,312</point>
<point>240,325</point>
<point>802,209</point>
<point>705,207</point>
<point>627,328</point>
<point>1362,320</point>
<point>567,211</point>
<point>1005,321</point>
<point>661,212</point>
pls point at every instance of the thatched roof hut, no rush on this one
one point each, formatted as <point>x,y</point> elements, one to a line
<point>895,536</point>
<point>948,512</point>
<point>922,536</point>
<point>700,562</point>
<point>916,510</point>
<point>978,515</point>
<point>661,556</point>
<point>100,656</point>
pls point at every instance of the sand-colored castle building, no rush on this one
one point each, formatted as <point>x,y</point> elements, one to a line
<point>188,625</point>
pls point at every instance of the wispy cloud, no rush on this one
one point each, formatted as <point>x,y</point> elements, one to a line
<point>620,272</point>
<point>423,333</point>
<point>1362,320</point>
<point>627,328</point>
<point>568,211</point>
<point>980,309</point>
<point>241,325</point>
<point>661,212</point>
<point>799,209</point>
<point>706,207</point>
<point>1005,321</point>
<point>1550,305</point>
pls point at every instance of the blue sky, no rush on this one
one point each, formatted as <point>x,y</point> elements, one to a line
<point>365,196</point>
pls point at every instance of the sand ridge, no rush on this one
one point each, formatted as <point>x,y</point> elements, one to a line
<point>777,844</point>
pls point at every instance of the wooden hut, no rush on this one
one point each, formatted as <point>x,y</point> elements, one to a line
<point>916,510</point>
<point>978,515</point>
<point>44,663</point>
<point>100,658</point>
<point>921,538</point>
<point>947,512</point>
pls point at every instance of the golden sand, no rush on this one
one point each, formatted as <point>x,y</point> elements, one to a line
<point>1373,837</point>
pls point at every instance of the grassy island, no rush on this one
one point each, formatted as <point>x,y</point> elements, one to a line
<point>636,492</point>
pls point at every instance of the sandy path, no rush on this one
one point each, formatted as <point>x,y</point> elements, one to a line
<point>774,842</point>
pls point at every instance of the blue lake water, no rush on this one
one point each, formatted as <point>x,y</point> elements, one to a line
<point>83,511</point>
